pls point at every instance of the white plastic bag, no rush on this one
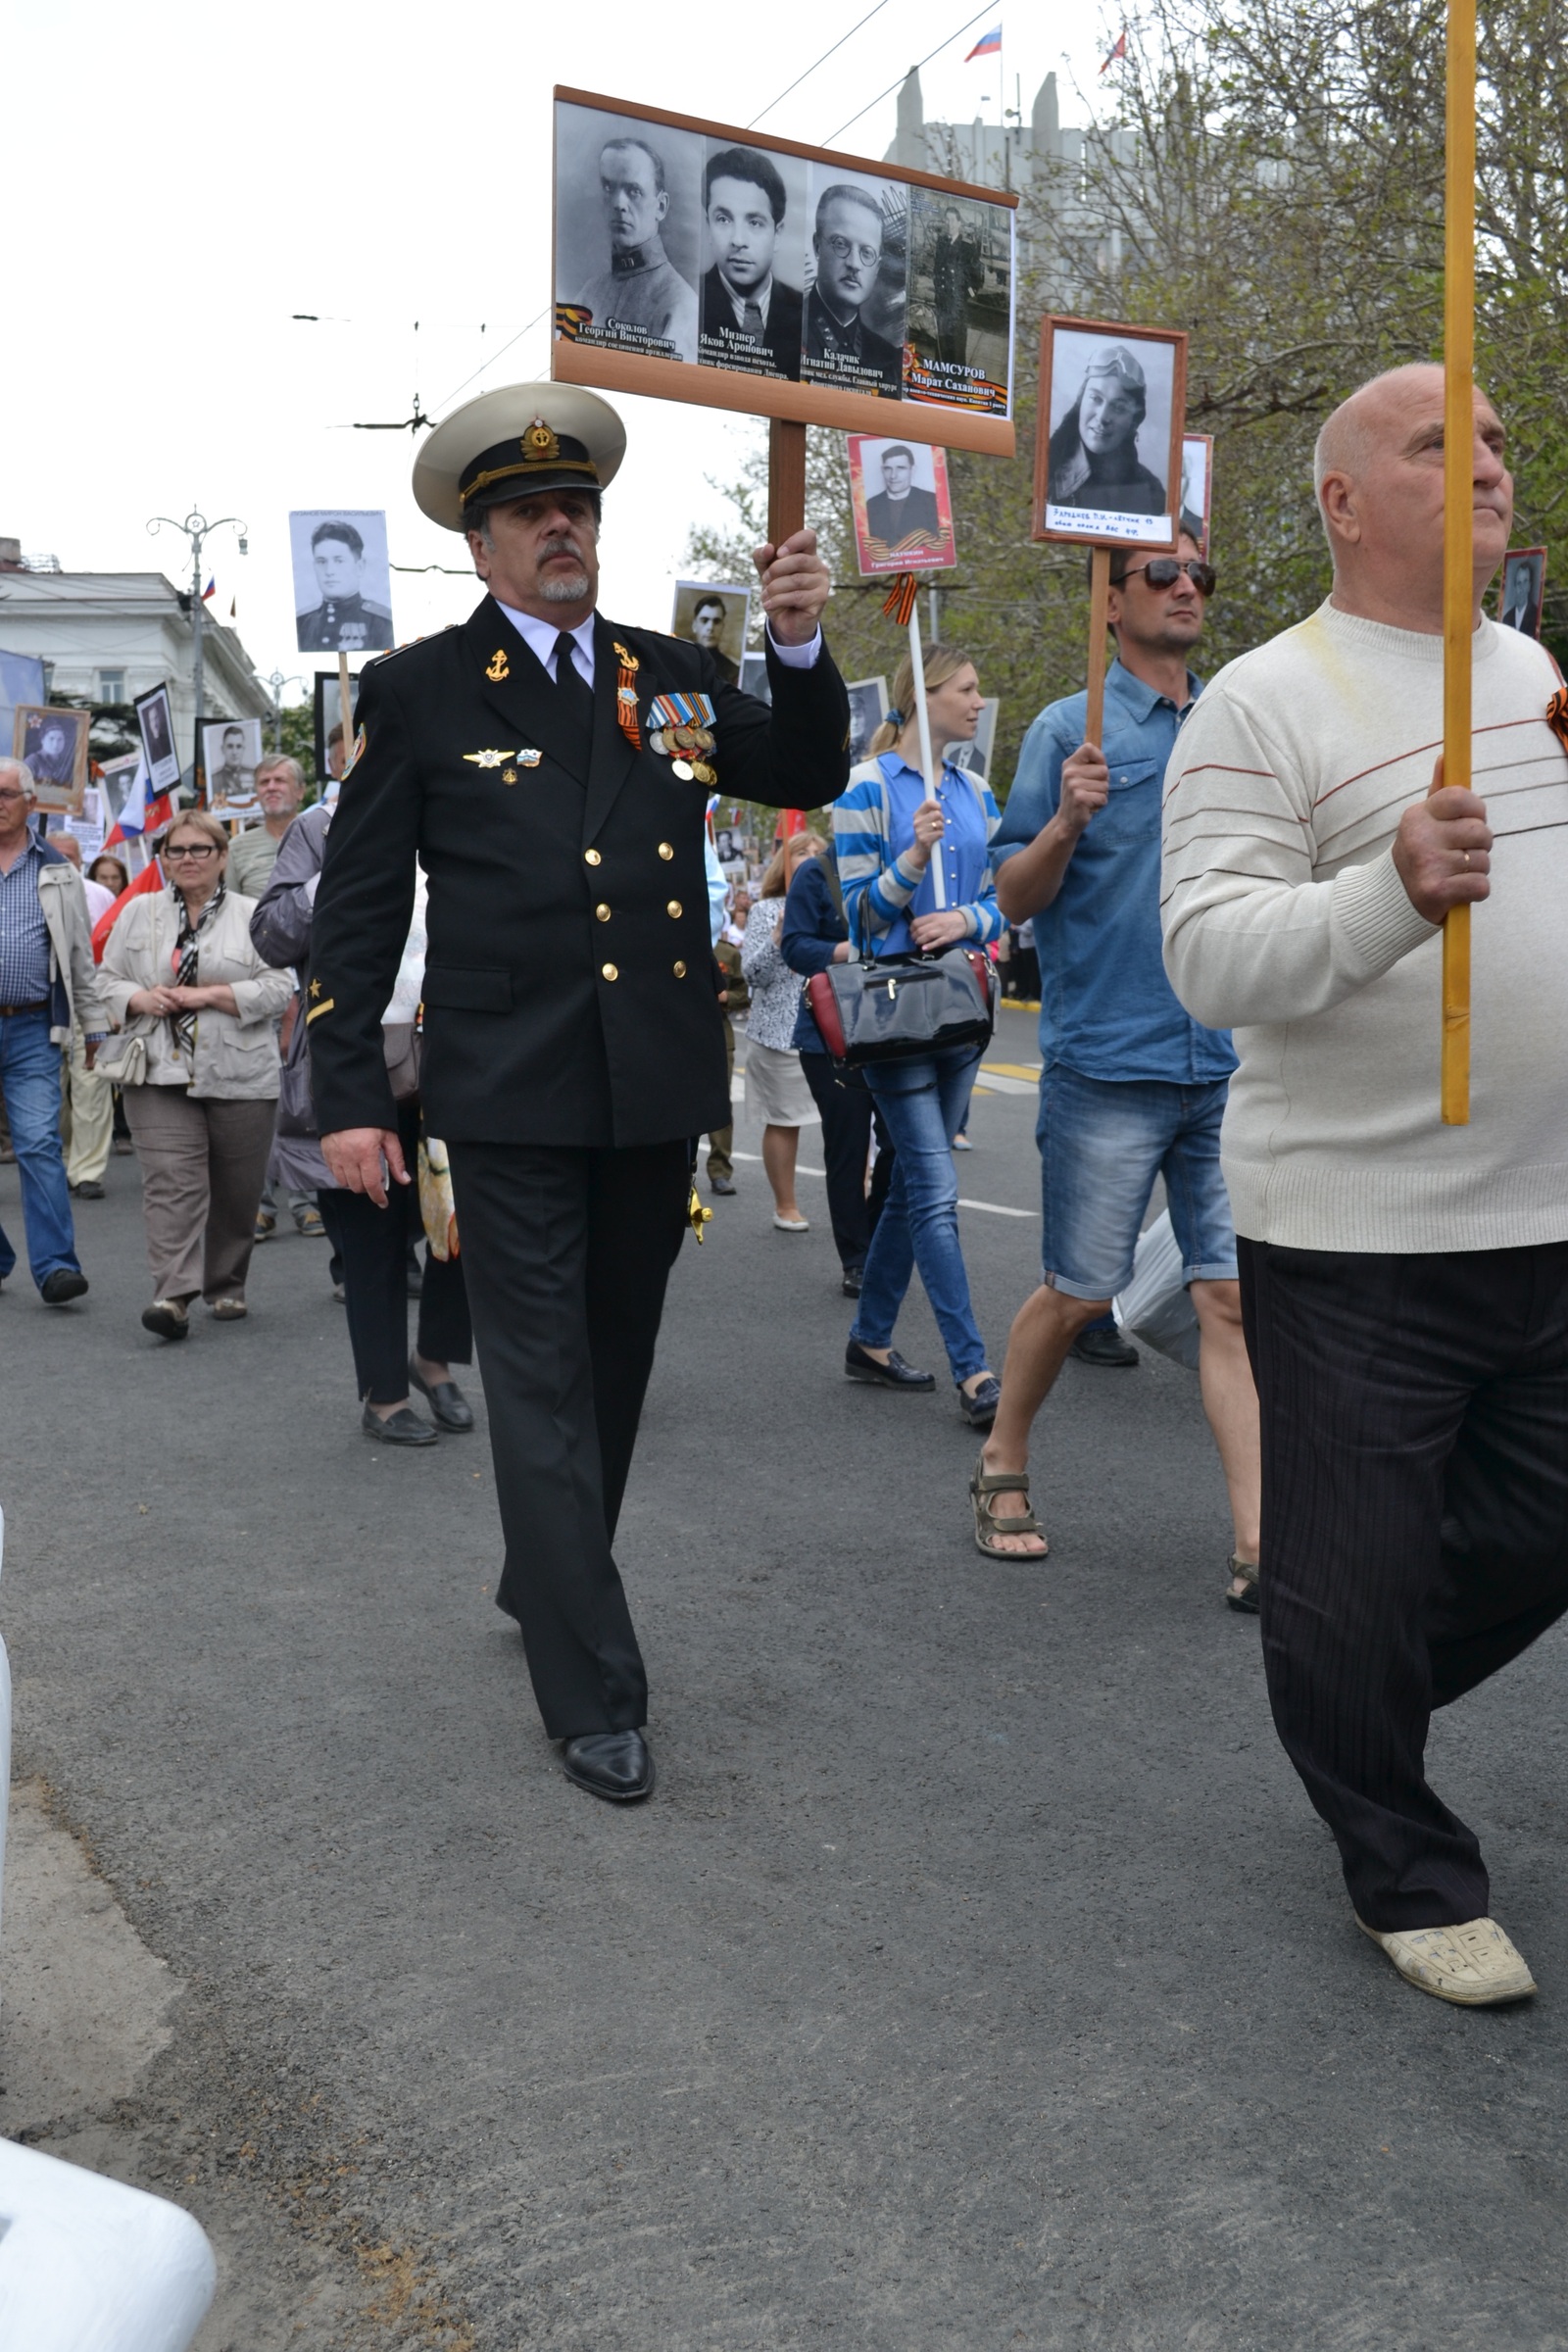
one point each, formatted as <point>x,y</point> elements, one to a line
<point>1155,1307</point>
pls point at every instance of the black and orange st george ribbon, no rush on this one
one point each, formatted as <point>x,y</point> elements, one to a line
<point>901,599</point>
<point>626,694</point>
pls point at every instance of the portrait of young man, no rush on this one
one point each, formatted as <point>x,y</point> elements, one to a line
<point>638,301</point>
<point>231,763</point>
<point>840,349</point>
<point>1523,585</point>
<point>752,316</point>
<point>709,616</point>
<point>346,619</point>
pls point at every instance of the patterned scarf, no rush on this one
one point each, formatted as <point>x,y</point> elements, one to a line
<point>187,957</point>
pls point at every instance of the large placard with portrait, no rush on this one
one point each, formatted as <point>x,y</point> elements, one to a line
<point>1108,436</point>
<point>54,744</point>
<point>699,263</point>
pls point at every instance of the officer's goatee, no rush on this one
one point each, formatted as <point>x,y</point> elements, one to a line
<point>563,588</point>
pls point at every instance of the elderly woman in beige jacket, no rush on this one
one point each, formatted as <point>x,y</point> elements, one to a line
<point>179,971</point>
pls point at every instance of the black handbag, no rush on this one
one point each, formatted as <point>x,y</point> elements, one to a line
<point>897,1007</point>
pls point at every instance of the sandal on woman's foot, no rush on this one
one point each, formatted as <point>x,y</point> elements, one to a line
<point>987,1524</point>
<point>1243,1573</point>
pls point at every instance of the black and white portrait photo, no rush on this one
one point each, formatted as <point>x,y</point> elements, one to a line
<point>959,329</point>
<point>1524,584</point>
<point>903,506</point>
<point>753,212</point>
<point>974,757</point>
<point>857,274</point>
<point>868,707</point>
<point>342,581</point>
<point>155,724</point>
<point>1111,408</point>
<point>714,616</point>
<point>630,242</point>
<point>54,744</point>
<point>231,753</point>
<point>1198,487</point>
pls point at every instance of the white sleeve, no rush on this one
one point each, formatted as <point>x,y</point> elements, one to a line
<point>797,657</point>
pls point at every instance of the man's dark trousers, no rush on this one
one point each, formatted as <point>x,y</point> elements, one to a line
<point>568,1252</point>
<point>848,1112</point>
<point>1415,1530</point>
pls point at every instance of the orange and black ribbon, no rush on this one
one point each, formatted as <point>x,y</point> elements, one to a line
<point>1557,716</point>
<point>901,599</point>
<point>626,696</point>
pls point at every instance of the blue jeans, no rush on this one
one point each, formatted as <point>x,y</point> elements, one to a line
<point>29,1074</point>
<point>1103,1141</point>
<point>921,1102</point>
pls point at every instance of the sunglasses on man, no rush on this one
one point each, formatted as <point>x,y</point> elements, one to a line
<point>1163,572</point>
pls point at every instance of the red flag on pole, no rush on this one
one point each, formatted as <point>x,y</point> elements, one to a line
<point>1116,54</point>
<point>150,878</point>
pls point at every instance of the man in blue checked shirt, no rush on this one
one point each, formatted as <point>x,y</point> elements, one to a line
<point>1132,1088</point>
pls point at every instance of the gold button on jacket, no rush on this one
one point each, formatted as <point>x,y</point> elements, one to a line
<point>603,911</point>
<point>591,857</point>
<point>680,971</point>
<point>673,908</point>
<point>610,971</point>
<point>664,850</point>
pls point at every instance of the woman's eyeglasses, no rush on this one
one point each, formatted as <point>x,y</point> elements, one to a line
<point>1163,572</point>
<point>205,850</point>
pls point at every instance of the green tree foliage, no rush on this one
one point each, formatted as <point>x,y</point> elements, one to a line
<point>1276,190</point>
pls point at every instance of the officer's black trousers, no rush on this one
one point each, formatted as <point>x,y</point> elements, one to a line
<point>568,1253</point>
<point>1415,1530</point>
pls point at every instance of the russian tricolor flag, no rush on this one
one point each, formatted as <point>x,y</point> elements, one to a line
<point>140,815</point>
<point>988,45</point>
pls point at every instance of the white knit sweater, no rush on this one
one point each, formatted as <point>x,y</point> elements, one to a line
<point>1286,922</point>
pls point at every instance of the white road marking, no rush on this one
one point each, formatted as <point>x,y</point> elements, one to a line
<point>992,1209</point>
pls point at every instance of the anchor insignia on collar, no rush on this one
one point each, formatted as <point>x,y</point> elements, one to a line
<point>498,667</point>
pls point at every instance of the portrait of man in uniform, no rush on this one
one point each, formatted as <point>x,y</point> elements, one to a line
<point>342,583</point>
<point>231,752</point>
<point>751,315</point>
<point>841,347</point>
<point>639,301</point>
<point>1524,584</point>
<point>1110,401</point>
<point>713,616</point>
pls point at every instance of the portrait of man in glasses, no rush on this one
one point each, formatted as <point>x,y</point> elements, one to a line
<point>1093,459</point>
<point>842,348</point>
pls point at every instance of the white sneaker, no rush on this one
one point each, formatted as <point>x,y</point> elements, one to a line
<point>1473,1963</point>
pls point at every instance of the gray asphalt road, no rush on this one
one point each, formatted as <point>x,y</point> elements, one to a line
<point>978,1978</point>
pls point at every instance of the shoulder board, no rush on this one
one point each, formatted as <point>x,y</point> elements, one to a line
<point>396,652</point>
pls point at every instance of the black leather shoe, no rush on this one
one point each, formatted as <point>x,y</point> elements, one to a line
<point>402,1428</point>
<point>854,1281</point>
<point>1105,1347</point>
<point>894,1374</point>
<point>446,1399</point>
<point>720,1185</point>
<point>615,1765</point>
<point>63,1285</point>
<point>980,1409</point>
<point>89,1189</point>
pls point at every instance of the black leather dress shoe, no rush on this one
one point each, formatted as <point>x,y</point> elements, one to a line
<point>859,1364</point>
<point>63,1285</point>
<point>402,1428</point>
<point>445,1399</point>
<point>854,1281</point>
<point>980,1409</point>
<point>615,1765</point>
<point>721,1185</point>
<point>1104,1345</point>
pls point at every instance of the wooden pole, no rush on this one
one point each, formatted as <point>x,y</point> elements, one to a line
<point>1458,527</point>
<point>1099,604</point>
<point>786,514</point>
<point>927,764</point>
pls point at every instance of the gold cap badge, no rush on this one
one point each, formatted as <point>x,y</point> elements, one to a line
<point>540,443</point>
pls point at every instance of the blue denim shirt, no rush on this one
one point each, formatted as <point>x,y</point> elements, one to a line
<point>1106,1009</point>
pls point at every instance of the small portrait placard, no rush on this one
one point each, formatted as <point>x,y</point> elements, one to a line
<point>901,505</point>
<point>1523,585</point>
<point>1108,439</point>
<point>342,581</point>
<point>712,615</point>
<point>1198,487</point>
<point>54,744</point>
<point>231,753</point>
<point>868,707</point>
<point>155,724</point>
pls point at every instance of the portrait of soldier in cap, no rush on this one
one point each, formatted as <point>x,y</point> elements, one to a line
<point>1093,457</point>
<point>841,348</point>
<point>232,752</point>
<point>752,319</point>
<point>345,620</point>
<point>640,302</point>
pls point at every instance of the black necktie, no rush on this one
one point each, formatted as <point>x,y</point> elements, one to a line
<point>576,692</point>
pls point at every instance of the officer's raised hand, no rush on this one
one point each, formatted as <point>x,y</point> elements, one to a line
<point>796,584</point>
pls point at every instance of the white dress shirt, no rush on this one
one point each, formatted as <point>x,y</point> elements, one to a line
<point>540,637</point>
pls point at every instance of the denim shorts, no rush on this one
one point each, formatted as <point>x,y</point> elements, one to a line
<point>1103,1141</point>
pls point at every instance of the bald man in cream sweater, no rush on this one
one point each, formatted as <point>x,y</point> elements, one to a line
<point>1405,1284</point>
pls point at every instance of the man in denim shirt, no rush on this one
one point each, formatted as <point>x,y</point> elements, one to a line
<point>1132,1088</point>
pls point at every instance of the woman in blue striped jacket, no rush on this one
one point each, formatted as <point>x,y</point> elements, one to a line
<point>885,830</point>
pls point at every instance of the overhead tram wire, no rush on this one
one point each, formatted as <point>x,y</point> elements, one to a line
<point>909,69</point>
<point>821,61</point>
<point>494,355</point>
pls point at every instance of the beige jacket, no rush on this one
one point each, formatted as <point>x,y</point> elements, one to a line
<point>235,1057</point>
<point>72,975</point>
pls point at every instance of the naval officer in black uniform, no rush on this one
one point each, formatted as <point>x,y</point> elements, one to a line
<point>551,771</point>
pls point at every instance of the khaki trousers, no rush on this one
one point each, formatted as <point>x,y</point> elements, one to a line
<point>86,1115</point>
<point>203,1165</point>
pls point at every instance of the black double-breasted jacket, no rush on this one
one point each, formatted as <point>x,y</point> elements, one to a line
<point>568,992</point>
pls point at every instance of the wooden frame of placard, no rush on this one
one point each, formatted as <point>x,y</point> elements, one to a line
<point>1174,339</point>
<point>798,404</point>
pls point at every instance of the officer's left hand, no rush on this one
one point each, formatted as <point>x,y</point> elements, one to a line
<point>795,587</point>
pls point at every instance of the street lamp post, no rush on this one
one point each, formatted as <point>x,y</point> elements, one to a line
<point>197,530</point>
<point>277,682</point>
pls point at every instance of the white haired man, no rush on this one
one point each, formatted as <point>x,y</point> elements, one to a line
<point>1405,1284</point>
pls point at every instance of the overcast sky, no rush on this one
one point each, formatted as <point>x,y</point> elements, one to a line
<point>183,179</point>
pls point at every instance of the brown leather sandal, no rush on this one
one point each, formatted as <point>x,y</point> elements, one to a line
<point>987,1524</point>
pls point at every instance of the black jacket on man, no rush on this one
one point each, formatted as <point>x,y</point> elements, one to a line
<point>780,337</point>
<point>567,985</point>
